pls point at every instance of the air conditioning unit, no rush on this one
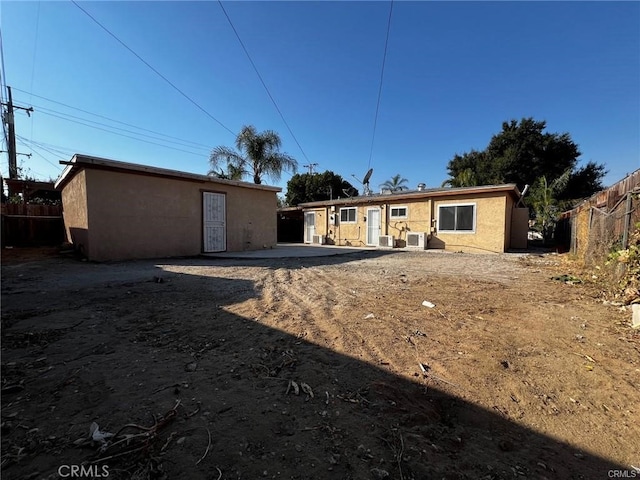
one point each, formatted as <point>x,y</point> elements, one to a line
<point>318,239</point>
<point>416,240</point>
<point>385,241</point>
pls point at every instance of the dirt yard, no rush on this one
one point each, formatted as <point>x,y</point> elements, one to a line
<point>317,368</point>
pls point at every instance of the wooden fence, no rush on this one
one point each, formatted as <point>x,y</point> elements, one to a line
<point>25,225</point>
<point>604,221</point>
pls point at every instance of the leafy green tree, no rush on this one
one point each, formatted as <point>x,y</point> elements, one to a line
<point>258,154</point>
<point>395,184</point>
<point>522,153</point>
<point>312,187</point>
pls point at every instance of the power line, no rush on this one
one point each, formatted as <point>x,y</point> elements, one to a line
<point>3,86</point>
<point>121,134</point>
<point>154,70</point>
<point>384,59</point>
<point>260,77</point>
<point>51,148</point>
<point>48,111</point>
<point>33,61</point>
<point>110,119</point>
<point>33,147</point>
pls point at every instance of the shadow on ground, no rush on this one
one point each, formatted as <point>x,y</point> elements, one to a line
<point>119,344</point>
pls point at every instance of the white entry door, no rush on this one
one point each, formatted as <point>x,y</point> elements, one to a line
<point>309,226</point>
<point>214,222</point>
<point>373,226</point>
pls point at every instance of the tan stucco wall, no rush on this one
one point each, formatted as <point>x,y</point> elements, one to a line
<point>140,216</point>
<point>489,235</point>
<point>492,233</point>
<point>355,234</point>
<point>75,214</point>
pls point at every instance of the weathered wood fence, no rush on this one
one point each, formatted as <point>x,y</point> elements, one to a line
<point>604,221</point>
<point>25,225</point>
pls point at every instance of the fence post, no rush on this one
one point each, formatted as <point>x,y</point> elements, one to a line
<point>627,222</point>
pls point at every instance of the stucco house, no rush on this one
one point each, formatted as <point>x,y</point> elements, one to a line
<point>115,210</point>
<point>470,219</point>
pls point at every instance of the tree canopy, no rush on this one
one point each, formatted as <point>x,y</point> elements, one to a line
<point>258,155</point>
<point>312,187</point>
<point>522,153</point>
<point>395,184</point>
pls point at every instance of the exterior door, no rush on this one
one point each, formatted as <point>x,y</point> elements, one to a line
<point>309,226</point>
<point>373,226</point>
<point>214,222</point>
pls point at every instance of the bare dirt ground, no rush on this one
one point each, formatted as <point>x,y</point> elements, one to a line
<point>191,364</point>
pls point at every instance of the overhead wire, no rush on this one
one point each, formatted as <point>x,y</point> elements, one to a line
<point>384,59</point>
<point>33,147</point>
<point>51,148</point>
<point>261,79</point>
<point>121,134</point>
<point>110,119</point>
<point>3,89</point>
<point>154,70</point>
<point>48,111</point>
<point>33,61</point>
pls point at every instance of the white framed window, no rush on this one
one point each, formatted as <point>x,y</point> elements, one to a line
<point>398,211</point>
<point>348,215</point>
<point>457,218</point>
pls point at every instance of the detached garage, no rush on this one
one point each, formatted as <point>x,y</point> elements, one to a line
<point>116,210</point>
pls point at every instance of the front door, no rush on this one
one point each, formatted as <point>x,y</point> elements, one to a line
<point>373,226</point>
<point>214,222</point>
<point>309,226</point>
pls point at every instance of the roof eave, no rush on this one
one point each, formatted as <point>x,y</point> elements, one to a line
<point>78,162</point>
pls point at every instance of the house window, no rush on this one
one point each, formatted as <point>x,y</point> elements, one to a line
<point>348,215</point>
<point>459,218</point>
<point>398,212</point>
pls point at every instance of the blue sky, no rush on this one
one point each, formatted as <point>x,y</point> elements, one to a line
<point>454,72</point>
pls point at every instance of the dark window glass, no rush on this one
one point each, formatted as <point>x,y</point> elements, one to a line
<point>456,218</point>
<point>447,218</point>
<point>464,218</point>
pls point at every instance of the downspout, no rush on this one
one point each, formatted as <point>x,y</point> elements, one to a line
<point>326,221</point>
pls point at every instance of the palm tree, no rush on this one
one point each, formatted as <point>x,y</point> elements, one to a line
<point>395,184</point>
<point>545,203</point>
<point>258,155</point>
<point>232,173</point>
<point>466,178</point>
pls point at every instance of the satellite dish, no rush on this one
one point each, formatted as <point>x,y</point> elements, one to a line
<point>365,182</point>
<point>366,178</point>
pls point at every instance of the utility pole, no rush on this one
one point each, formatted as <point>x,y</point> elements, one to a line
<point>310,166</point>
<point>11,141</point>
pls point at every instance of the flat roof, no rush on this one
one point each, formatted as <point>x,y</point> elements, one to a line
<point>509,188</point>
<point>79,162</point>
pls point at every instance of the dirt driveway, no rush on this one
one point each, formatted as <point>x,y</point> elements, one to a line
<point>318,368</point>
